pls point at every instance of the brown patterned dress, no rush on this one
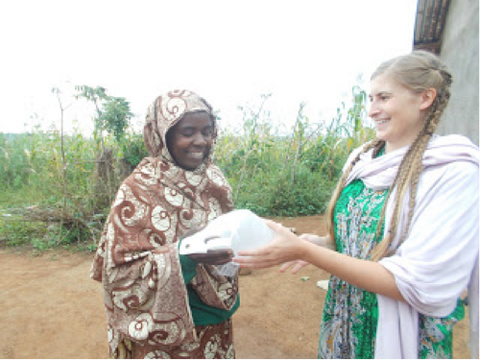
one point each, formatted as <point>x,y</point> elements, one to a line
<point>137,259</point>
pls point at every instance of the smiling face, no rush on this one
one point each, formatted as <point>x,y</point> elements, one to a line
<point>190,140</point>
<point>399,113</point>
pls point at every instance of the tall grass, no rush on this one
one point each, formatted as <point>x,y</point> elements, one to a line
<point>49,197</point>
<point>293,174</point>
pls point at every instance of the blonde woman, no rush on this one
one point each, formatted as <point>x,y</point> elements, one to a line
<point>403,223</point>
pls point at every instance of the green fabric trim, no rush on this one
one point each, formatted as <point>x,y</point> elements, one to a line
<point>202,314</point>
<point>208,315</point>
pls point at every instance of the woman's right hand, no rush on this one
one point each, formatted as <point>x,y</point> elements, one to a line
<point>324,241</point>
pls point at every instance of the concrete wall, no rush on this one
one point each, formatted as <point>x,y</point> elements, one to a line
<point>460,53</point>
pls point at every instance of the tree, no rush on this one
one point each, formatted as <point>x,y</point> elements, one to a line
<point>113,113</point>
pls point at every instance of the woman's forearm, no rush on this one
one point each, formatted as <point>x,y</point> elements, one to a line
<point>368,275</point>
<point>324,241</point>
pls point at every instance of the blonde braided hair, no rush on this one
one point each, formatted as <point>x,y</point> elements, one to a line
<point>417,71</point>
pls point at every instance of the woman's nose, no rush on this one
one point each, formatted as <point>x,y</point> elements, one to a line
<point>372,111</point>
<point>199,140</point>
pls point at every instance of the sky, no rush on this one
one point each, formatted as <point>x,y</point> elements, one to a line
<point>229,52</point>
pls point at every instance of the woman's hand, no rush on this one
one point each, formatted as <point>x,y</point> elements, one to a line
<point>297,266</point>
<point>213,257</point>
<point>284,247</point>
<point>287,247</point>
<point>324,241</point>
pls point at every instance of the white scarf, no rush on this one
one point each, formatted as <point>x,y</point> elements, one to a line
<point>439,257</point>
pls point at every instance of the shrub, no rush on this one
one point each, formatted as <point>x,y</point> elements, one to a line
<point>54,180</point>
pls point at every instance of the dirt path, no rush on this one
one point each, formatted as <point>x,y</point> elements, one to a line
<point>51,309</point>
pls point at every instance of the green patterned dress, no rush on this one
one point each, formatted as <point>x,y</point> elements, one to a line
<point>350,316</point>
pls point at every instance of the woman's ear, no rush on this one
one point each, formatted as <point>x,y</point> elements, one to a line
<point>428,96</point>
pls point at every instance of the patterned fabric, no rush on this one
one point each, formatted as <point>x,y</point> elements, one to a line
<point>436,340</point>
<point>214,342</point>
<point>137,258</point>
<point>350,316</point>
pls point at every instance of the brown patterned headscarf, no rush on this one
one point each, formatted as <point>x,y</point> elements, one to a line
<point>137,257</point>
<point>166,111</point>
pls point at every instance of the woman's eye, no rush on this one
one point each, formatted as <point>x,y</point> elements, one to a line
<point>188,133</point>
<point>207,133</point>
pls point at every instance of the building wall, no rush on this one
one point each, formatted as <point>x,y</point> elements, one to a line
<point>459,51</point>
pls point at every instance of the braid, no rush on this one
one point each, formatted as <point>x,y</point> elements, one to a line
<point>377,146</point>
<point>409,171</point>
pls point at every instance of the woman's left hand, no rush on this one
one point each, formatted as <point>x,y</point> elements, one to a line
<point>213,257</point>
<point>284,247</point>
<point>297,265</point>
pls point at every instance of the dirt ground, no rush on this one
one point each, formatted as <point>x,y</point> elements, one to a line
<point>50,308</point>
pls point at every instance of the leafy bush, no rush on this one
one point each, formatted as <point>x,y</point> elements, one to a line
<point>57,181</point>
<point>290,175</point>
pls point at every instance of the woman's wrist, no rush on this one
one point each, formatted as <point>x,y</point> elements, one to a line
<point>305,250</point>
<point>324,241</point>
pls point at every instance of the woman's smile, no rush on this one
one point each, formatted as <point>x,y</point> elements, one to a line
<point>190,140</point>
<point>196,155</point>
<point>381,121</point>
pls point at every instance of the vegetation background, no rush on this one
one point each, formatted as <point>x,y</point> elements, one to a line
<point>57,188</point>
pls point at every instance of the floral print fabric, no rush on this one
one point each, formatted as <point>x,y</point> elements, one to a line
<point>436,334</point>
<point>350,316</point>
